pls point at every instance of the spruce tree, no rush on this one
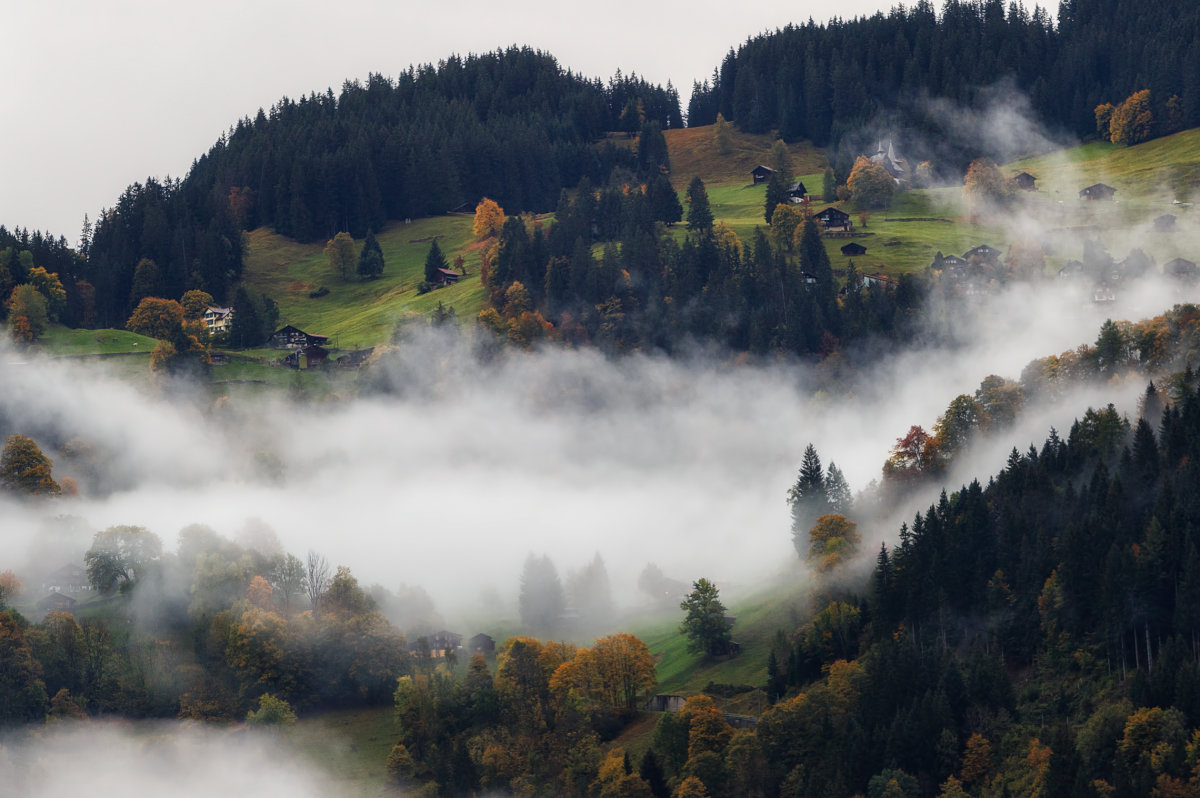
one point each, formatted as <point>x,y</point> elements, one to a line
<point>435,261</point>
<point>370,260</point>
<point>699,215</point>
<point>808,496</point>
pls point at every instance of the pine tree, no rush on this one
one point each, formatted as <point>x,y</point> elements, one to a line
<point>838,490</point>
<point>435,261</point>
<point>370,260</point>
<point>699,215</point>
<point>808,498</point>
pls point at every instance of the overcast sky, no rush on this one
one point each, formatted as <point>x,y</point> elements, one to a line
<point>101,94</point>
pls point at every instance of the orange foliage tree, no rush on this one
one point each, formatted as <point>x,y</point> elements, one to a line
<point>1132,121</point>
<point>157,318</point>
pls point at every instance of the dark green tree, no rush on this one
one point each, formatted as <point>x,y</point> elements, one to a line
<point>699,215</point>
<point>434,262</point>
<point>705,625</point>
<point>246,330</point>
<point>808,498</point>
<point>370,260</point>
<point>776,193</point>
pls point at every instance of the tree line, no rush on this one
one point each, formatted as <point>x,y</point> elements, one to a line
<point>823,82</point>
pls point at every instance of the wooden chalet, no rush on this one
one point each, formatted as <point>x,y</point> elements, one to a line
<point>306,358</point>
<point>218,320</point>
<point>447,277</point>
<point>983,253</point>
<point>833,219</point>
<point>761,174</point>
<point>482,644</point>
<point>1023,182</point>
<point>443,642</point>
<point>796,191</point>
<point>291,337</point>
<point>56,602</point>
<point>1097,192</point>
<point>1165,224</point>
<point>854,249</point>
<point>69,579</point>
<point>1180,269</point>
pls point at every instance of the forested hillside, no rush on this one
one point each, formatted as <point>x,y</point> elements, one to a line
<point>822,82</point>
<point>513,125</point>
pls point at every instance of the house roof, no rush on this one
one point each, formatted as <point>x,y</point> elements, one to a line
<point>983,251</point>
<point>761,168</point>
<point>797,188</point>
<point>833,213</point>
<point>853,248</point>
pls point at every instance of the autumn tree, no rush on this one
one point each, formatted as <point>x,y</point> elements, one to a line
<point>721,135</point>
<point>271,711</point>
<point>49,286</point>
<point>157,318</point>
<point>10,587</point>
<point>956,427</point>
<point>370,260</point>
<point>611,676</point>
<point>1132,121</point>
<point>914,455</point>
<point>832,541</point>
<point>120,555</point>
<point>22,692</point>
<point>870,184</point>
<point>489,219</point>
<point>984,186</point>
<point>28,313</point>
<point>24,469</point>
<point>194,303</point>
<point>705,625</point>
<point>1103,114</point>
<point>340,255</point>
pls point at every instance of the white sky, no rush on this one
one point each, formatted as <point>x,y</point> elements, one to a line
<point>100,94</point>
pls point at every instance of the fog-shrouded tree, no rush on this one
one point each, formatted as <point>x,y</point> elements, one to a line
<point>316,579</point>
<point>120,555</point>
<point>542,601</point>
<point>837,490</point>
<point>808,498</point>
<point>287,579</point>
<point>25,469</point>
<point>705,625</point>
<point>591,595</point>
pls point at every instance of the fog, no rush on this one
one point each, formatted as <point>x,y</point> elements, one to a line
<point>464,467</point>
<point>149,760</point>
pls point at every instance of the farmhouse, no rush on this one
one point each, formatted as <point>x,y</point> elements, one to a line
<point>447,277</point>
<point>761,174</point>
<point>833,219</point>
<point>56,602</point>
<point>307,357</point>
<point>853,250</point>
<point>69,579</point>
<point>482,644</point>
<point>1165,223</point>
<point>1023,182</point>
<point>218,321</point>
<point>291,337</point>
<point>796,192</point>
<point>983,253</point>
<point>1180,269</point>
<point>1097,192</point>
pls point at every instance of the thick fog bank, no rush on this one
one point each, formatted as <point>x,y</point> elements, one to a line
<point>150,760</point>
<point>452,476</point>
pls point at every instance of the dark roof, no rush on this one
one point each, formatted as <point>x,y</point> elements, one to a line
<point>953,260</point>
<point>56,600</point>
<point>1098,190</point>
<point>797,188</point>
<point>983,251</point>
<point>832,213</point>
<point>760,169</point>
<point>1179,266</point>
<point>853,248</point>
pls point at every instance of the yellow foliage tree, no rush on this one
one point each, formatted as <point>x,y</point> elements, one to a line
<point>984,186</point>
<point>489,218</point>
<point>194,303</point>
<point>1132,122</point>
<point>157,318</point>
<point>870,185</point>
<point>832,540</point>
<point>341,255</point>
<point>1104,113</point>
<point>977,759</point>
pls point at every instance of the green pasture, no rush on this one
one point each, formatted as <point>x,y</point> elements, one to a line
<point>357,312</point>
